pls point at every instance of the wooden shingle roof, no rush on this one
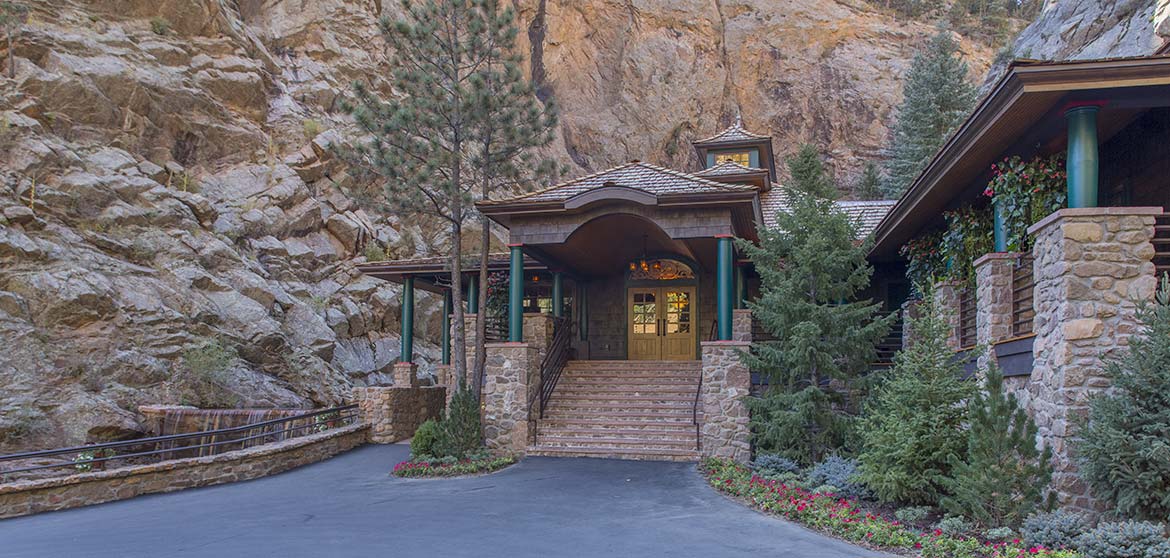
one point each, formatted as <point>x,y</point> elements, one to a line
<point>636,175</point>
<point>732,134</point>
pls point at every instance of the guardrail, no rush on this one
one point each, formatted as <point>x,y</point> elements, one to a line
<point>554,363</point>
<point>1023,287</point>
<point>208,442</point>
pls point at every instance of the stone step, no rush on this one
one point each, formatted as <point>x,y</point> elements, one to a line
<point>677,389</point>
<point>614,442</point>
<point>634,363</point>
<point>682,424</point>
<point>683,434</point>
<point>666,415</point>
<point>615,453</point>
<point>595,380</point>
<point>671,407</point>
<point>617,397</point>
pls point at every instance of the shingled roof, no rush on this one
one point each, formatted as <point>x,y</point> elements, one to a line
<point>867,214</point>
<point>731,134</point>
<point>728,168</point>
<point>637,175</point>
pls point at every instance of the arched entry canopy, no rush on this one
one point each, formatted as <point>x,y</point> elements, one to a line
<point>591,229</point>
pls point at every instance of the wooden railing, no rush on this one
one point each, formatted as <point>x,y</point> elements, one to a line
<point>967,329</point>
<point>496,329</point>
<point>1162,244</point>
<point>1023,288</point>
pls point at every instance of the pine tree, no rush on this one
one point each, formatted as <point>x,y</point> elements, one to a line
<point>502,157</point>
<point>810,266</point>
<point>936,99</point>
<point>869,183</point>
<point>914,422</point>
<point>1003,476</point>
<point>1125,447</point>
<point>426,140</point>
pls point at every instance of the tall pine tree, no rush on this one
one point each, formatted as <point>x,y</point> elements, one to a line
<point>936,99</point>
<point>515,123</point>
<point>811,267</point>
<point>869,183</point>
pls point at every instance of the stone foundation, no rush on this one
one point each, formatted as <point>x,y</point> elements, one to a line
<point>394,413</point>
<point>512,375</point>
<point>95,487</point>
<point>725,430</point>
<point>1092,268</point>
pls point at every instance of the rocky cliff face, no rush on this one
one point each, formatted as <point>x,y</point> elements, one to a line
<point>174,228</point>
<point>1074,30</point>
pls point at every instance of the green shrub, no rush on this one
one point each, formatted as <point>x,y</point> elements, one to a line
<point>914,423</point>
<point>770,463</point>
<point>1124,449</point>
<point>841,473</point>
<point>424,440</point>
<point>460,431</point>
<point>1127,539</point>
<point>311,128</point>
<point>912,514</point>
<point>1003,476</point>
<point>160,25</point>
<point>374,252</point>
<point>801,426</point>
<point>1054,529</point>
<point>999,534</point>
<point>206,381</point>
<point>954,525</point>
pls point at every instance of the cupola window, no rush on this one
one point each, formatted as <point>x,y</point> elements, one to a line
<point>739,157</point>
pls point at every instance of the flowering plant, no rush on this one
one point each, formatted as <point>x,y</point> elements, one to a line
<point>843,518</point>
<point>968,237</point>
<point>1025,192</point>
<point>451,467</point>
<point>925,261</point>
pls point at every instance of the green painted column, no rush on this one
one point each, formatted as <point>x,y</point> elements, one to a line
<point>408,320</point>
<point>740,288</point>
<point>446,335</point>
<point>724,289</point>
<point>1082,160</point>
<point>1000,228</point>
<point>516,295</point>
<point>472,294</point>
<point>558,295</point>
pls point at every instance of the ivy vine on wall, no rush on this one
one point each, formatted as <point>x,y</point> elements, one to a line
<point>1026,192</point>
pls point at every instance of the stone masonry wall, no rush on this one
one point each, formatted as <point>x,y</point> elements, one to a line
<point>993,300</point>
<point>946,295</point>
<point>726,382</point>
<point>510,377</point>
<point>1092,268</point>
<point>393,414</point>
<point>741,325</point>
<point>95,487</point>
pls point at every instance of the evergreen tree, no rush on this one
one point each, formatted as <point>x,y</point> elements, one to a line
<point>914,422</point>
<point>810,266</point>
<point>1125,447</point>
<point>427,140</point>
<point>1003,476</point>
<point>936,99</point>
<point>869,183</point>
<point>502,157</point>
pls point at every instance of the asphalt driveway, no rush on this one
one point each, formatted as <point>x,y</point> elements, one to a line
<point>349,506</point>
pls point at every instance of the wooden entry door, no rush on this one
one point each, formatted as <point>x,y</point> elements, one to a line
<point>661,323</point>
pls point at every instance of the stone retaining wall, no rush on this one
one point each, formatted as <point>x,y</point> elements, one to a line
<point>84,489</point>
<point>512,375</point>
<point>725,426</point>
<point>393,413</point>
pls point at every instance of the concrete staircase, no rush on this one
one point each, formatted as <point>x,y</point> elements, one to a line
<point>622,409</point>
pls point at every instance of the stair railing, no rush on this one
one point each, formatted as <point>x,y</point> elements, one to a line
<point>553,364</point>
<point>695,414</point>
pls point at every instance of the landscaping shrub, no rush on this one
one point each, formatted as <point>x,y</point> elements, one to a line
<point>840,473</point>
<point>1128,539</point>
<point>460,431</point>
<point>953,525</point>
<point>770,463</point>
<point>423,442</point>
<point>912,514</point>
<point>1124,449</point>
<point>1054,529</point>
<point>1003,476</point>
<point>914,423</point>
<point>801,426</point>
<point>450,467</point>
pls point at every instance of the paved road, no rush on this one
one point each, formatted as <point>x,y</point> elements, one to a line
<point>349,506</point>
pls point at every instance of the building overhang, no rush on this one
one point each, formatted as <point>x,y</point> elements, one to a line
<point>433,274</point>
<point>1022,115</point>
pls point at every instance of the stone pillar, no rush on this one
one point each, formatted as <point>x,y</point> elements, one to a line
<point>741,325</point>
<point>509,375</point>
<point>993,298</point>
<point>1092,268</point>
<point>469,321</point>
<point>911,310</point>
<point>394,413</point>
<point>725,430</point>
<point>405,374</point>
<point>946,296</point>
<point>538,332</point>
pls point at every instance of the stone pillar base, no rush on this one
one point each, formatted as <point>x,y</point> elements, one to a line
<point>741,325</point>
<point>724,430</point>
<point>405,374</point>
<point>511,376</point>
<point>394,413</point>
